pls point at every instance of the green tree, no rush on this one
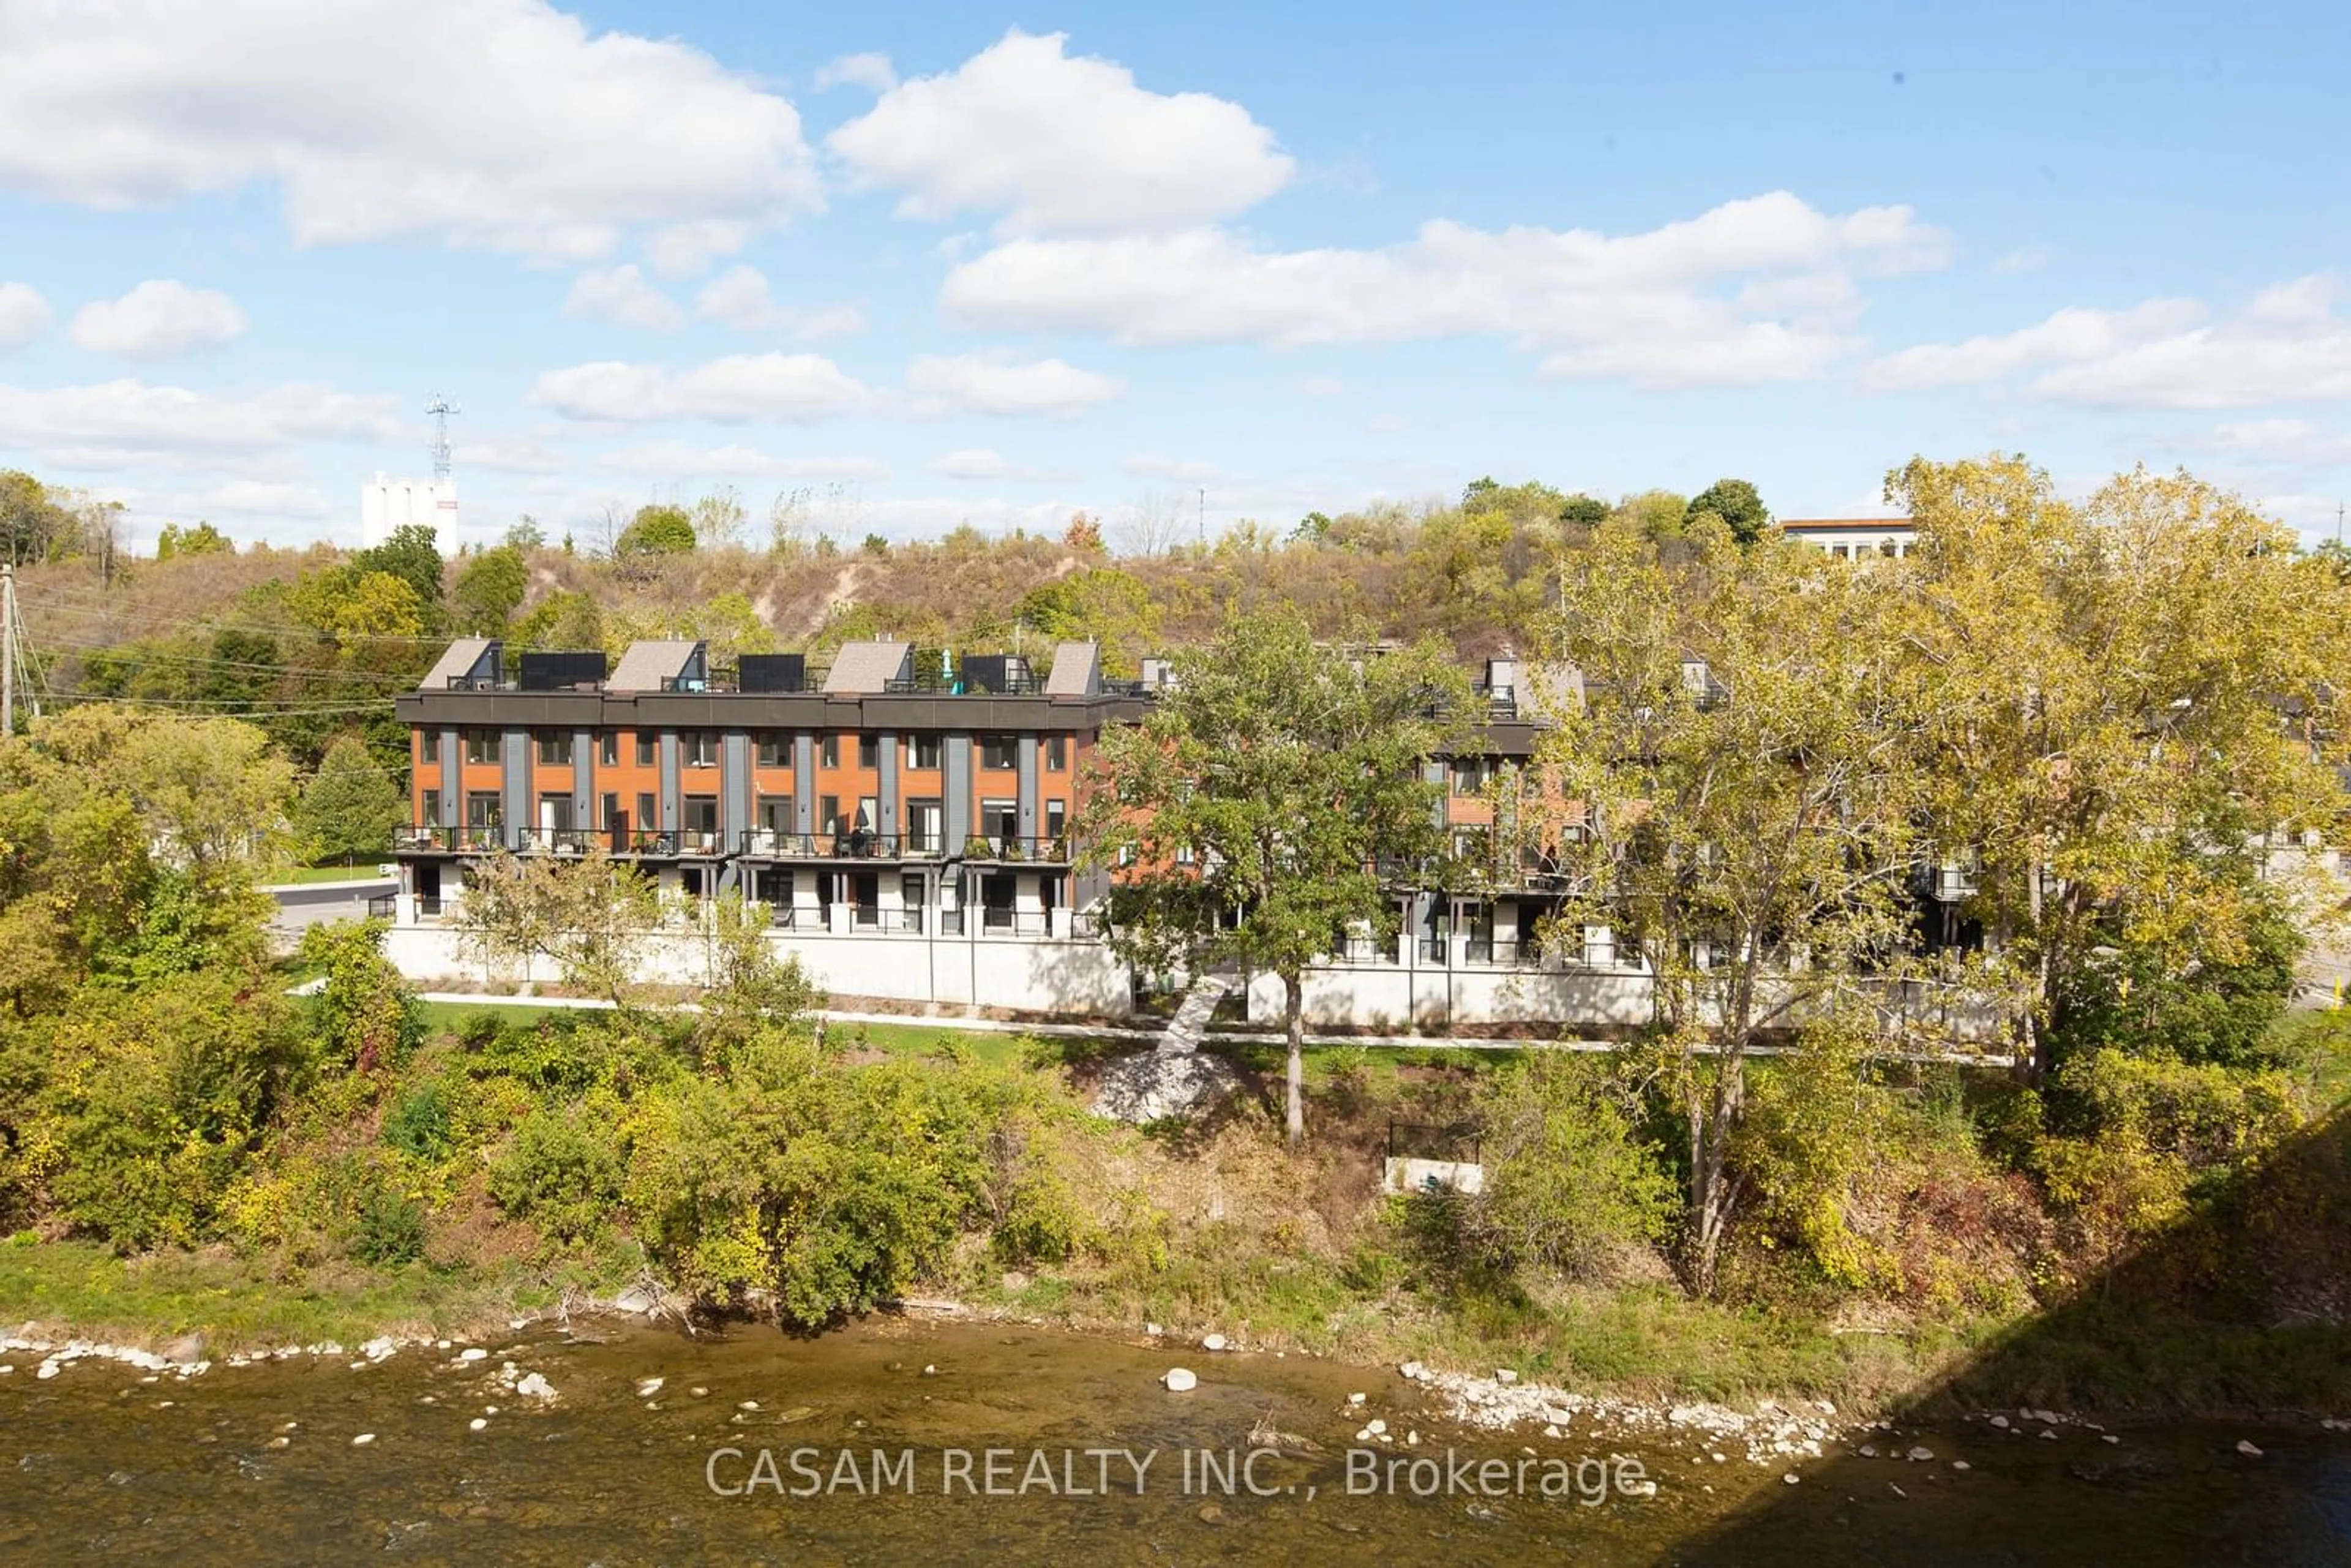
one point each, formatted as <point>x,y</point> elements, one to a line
<point>2122,700</point>
<point>1569,1184</point>
<point>1257,800</point>
<point>591,916</point>
<point>35,523</point>
<point>411,555</point>
<point>489,591</point>
<point>1584,511</point>
<point>367,1016</point>
<point>658,531</point>
<point>1736,503</point>
<point>1748,808</point>
<point>525,533</point>
<point>350,808</point>
<point>213,792</point>
<point>201,539</point>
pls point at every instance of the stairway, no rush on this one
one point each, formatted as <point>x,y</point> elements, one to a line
<point>1191,1021</point>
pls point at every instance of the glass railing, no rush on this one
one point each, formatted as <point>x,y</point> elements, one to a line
<point>559,840</point>
<point>1008,847</point>
<point>767,843</point>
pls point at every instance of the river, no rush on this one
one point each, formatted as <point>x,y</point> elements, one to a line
<point>999,1443</point>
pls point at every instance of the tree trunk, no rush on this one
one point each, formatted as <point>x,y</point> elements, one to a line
<point>1294,990</point>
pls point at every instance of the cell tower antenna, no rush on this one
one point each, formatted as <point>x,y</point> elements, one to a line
<point>441,408</point>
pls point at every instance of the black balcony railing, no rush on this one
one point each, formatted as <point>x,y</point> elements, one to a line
<point>383,905</point>
<point>665,843</point>
<point>765,844</point>
<point>950,922</point>
<point>1013,922</point>
<point>935,685</point>
<point>1054,850</point>
<point>429,906</point>
<point>559,840</point>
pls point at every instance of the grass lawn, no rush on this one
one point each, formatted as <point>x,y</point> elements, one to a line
<point>449,1017</point>
<point>363,872</point>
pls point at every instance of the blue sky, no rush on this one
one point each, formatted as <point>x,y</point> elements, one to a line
<point>926,264</point>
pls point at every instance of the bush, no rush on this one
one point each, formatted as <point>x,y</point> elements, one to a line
<point>561,1171</point>
<point>389,1229</point>
<point>418,1124</point>
<point>1567,1183</point>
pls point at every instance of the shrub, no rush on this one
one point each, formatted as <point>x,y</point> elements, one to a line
<point>418,1124</point>
<point>1567,1183</point>
<point>561,1171</point>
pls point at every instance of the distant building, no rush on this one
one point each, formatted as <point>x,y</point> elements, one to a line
<point>1849,538</point>
<point>386,504</point>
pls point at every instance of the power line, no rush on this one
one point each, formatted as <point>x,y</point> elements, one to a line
<point>111,613</point>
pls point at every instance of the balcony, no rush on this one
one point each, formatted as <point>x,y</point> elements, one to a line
<point>383,905</point>
<point>1008,849</point>
<point>1012,922</point>
<point>765,844</point>
<point>558,841</point>
<point>475,839</point>
<point>667,843</point>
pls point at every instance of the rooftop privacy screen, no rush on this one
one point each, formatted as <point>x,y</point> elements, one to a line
<point>772,672</point>
<point>561,672</point>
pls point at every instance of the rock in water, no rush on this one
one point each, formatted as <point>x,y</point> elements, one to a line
<point>1180,1379</point>
<point>1213,1341</point>
<point>1149,1087</point>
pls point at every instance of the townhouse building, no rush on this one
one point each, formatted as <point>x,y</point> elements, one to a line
<point>905,820</point>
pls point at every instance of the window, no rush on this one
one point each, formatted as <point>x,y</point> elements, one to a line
<point>552,751</point>
<point>999,821</point>
<point>1470,774</point>
<point>481,746</point>
<point>482,808</point>
<point>608,811</point>
<point>911,891</point>
<point>869,751</point>
<point>828,814</point>
<point>608,748</point>
<point>698,747</point>
<point>428,746</point>
<point>775,749</point>
<point>998,751</point>
<point>555,814</point>
<point>702,815</point>
<point>645,749</point>
<point>832,751</point>
<point>922,750</point>
<point>776,813</point>
<point>1056,817</point>
<point>924,830</point>
<point>1057,753</point>
<point>648,818</point>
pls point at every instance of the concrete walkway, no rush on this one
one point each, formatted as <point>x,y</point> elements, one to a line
<point>1185,1030</point>
<point>1157,1037</point>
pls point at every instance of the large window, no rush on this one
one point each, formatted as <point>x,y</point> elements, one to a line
<point>554,748</point>
<point>924,819</point>
<point>1057,753</point>
<point>648,816</point>
<point>923,750</point>
<point>999,821</point>
<point>832,751</point>
<point>869,751</point>
<point>481,746</point>
<point>999,751</point>
<point>645,749</point>
<point>608,748</point>
<point>775,749</point>
<point>702,814</point>
<point>428,746</point>
<point>698,747</point>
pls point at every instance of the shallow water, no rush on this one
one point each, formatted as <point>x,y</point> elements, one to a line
<point>96,1465</point>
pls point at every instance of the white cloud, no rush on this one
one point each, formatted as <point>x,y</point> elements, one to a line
<point>504,125</point>
<point>2069,335</point>
<point>1058,144</point>
<point>2016,263</point>
<point>2283,441</point>
<point>257,499</point>
<point>980,383</point>
<point>522,455</point>
<point>24,315</point>
<point>2287,345</point>
<point>1148,466</point>
<point>681,250</point>
<point>1320,386</point>
<point>160,317</point>
<point>739,298</point>
<point>971,463</point>
<point>866,70</point>
<point>1754,291</point>
<point>622,296</point>
<point>681,460</point>
<point>126,423</point>
<point>799,388</point>
<point>985,463</point>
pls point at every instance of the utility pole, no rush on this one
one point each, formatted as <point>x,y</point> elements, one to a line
<point>8,649</point>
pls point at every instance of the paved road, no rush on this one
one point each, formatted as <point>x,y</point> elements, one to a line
<point>309,903</point>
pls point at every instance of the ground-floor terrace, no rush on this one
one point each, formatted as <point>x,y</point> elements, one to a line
<point>1003,934</point>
